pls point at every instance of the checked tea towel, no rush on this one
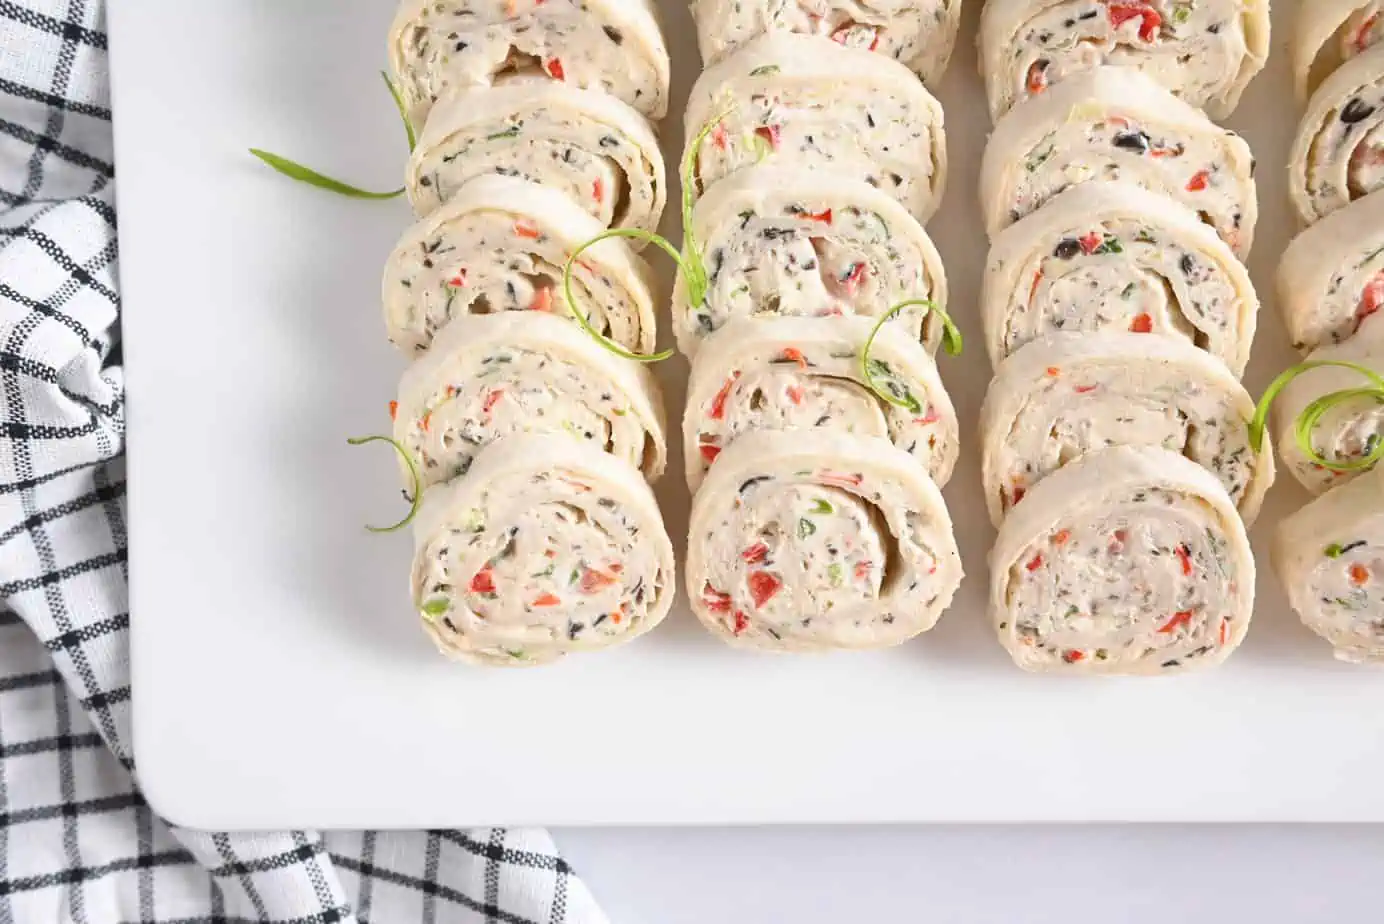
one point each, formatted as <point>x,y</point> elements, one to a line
<point>77,842</point>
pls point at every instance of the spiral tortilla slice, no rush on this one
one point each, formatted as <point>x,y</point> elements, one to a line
<point>918,33</point>
<point>780,242</point>
<point>1331,277</point>
<point>590,146</point>
<point>1206,53</point>
<point>1127,561</point>
<point>1345,433</point>
<point>1114,257</point>
<point>1338,153</point>
<point>1068,395</point>
<point>806,545</point>
<point>805,101</point>
<point>779,374</point>
<point>1328,32</point>
<point>491,376</point>
<point>500,245</point>
<point>1114,123</point>
<point>548,546</point>
<point>614,46</point>
<point>1329,557</point>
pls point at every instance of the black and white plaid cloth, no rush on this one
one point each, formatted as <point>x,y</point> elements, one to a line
<point>77,842</point>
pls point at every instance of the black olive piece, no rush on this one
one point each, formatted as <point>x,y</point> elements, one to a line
<point>1138,142</point>
<point>1067,248</point>
<point>1356,111</point>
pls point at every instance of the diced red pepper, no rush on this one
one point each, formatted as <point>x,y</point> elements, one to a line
<point>1053,372</point>
<point>1061,537</point>
<point>526,229</point>
<point>1199,181</point>
<point>763,586</point>
<point>1035,562</point>
<point>1085,389</point>
<point>457,281</point>
<point>854,277</point>
<point>1224,625</point>
<point>1017,493</point>
<point>593,580</point>
<point>426,422</point>
<point>841,479</point>
<point>742,622</point>
<point>1179,619</point>
<point>755,553</point>
<point>547,600</point>
<point>929,417</point>
<point>862,570</point>
<point>553,67</point>
<point>709,452</point>
<point>542,299</point>
<point>1184,556</point>
<point>718,136</point>
<point>492,398</point>
<point>1073,656</point>
<point>795,355</point>
<point>1142,324</point>
<point>718,404</point>
<point>394,410</point>
<point>1150,20</point>
<point>822,216</point>
<point>1371,299</point>
<point>1037,80</point>
<point>769,133</point>
<point>483,582</point>
<point>598,189</point>
<point>1090,243</point>
<point>1362,36</point>
<point>1359,574</point>
<point>714,600</point>
<point>1033,289</point>
<point>796,394</point>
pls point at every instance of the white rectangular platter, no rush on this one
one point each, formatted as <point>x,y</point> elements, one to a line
<point>280,676</point>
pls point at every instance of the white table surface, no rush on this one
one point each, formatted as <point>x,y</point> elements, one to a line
<point>1125,874</point>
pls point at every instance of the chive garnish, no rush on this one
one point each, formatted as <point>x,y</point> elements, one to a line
<point>1307,421</point>
<point>417,494</point>
<point>302,174</point>
<point>951,342</point>
<point>398,98</point>
<point>689,259</point>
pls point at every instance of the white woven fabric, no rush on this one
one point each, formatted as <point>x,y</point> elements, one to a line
<point>77,842</point>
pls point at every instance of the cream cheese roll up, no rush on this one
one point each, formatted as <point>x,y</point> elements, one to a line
<point>1329,557</point>
<point>828,543</point>
<point>1205,52</point>
<point>614,46</point>
<point>917,33</point>
<point>593,148</point>
<point>1114,257</point>
<point>1115,123</point>
<point>1348,431</point>
<point>548,546</point>
<point>491,376</point>
<point>1338,154</point>
<point>1069,395</point>
<point>803,374</point>
<point>1127,561</point>
<point>1328,32</point>
<point>805,101</point>
<point>500,245</point>
<point>778,241</point>
<point>1331,277</point>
